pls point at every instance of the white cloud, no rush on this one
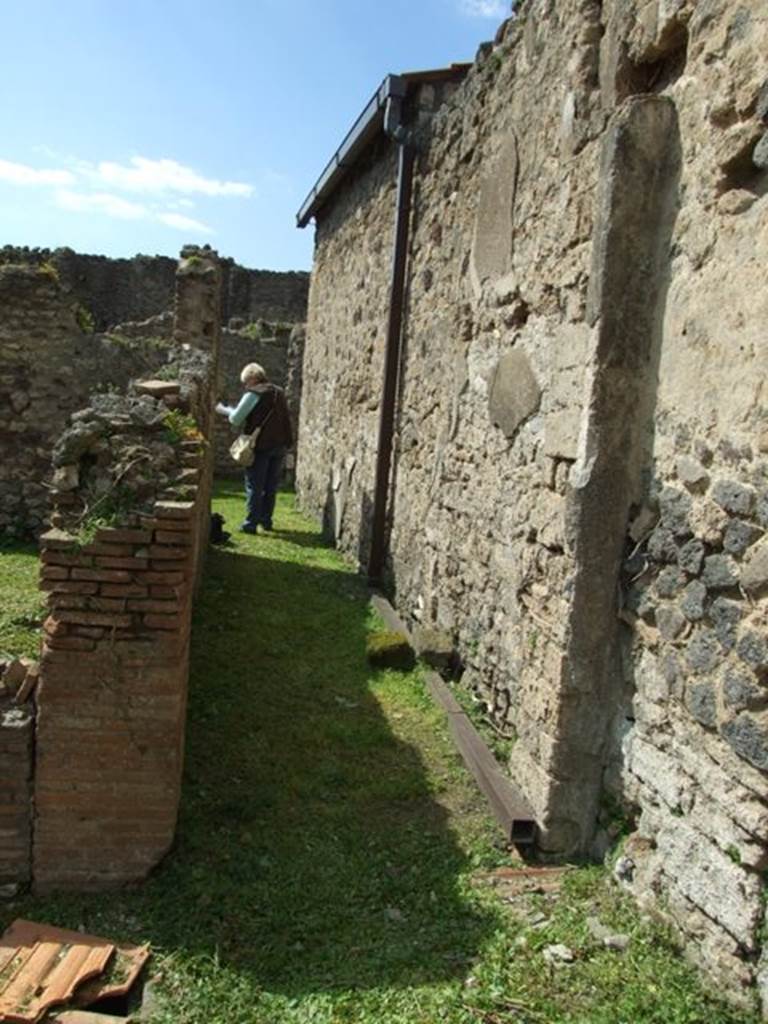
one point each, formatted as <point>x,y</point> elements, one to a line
<point>19,174</point>
<point>178,220</point>
<point>100,202</point>
<point>485,8</point>
<point>160,176</point>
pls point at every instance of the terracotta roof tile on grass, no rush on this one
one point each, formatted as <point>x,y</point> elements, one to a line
<point>42,967</point>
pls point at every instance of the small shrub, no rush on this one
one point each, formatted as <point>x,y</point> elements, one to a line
<point>47,269</point>
<point>84,318</point>
<point>103,512</point>
<point>180,426</point>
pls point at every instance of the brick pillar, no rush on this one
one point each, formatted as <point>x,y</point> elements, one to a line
<point>112,699</point>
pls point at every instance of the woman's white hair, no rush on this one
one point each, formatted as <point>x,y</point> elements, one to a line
<point>253,372</point>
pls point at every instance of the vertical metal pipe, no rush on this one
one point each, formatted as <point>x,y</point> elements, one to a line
<point>391,362</point>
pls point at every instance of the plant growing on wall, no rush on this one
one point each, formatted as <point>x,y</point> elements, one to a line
<point>180,426</point>
<point>84,318</point>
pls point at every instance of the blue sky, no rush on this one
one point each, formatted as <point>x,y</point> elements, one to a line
<point>139,126</point>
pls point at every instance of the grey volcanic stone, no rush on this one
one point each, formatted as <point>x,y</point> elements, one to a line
<point>725,616</point>
<point>760,153</point>
<point>691,473</point>
<point>733,497</point>
<point>638,601</point>
<point>720,572</point>
<point>740,692</point>
<point>514,392</point>
<point>700,701</point>
<point>675,507</point>
<point>669,582</point>
<point>670,621</point>
<point>761,509</point>
<point>752,648</point>
<point>703,651</point>
<point>662,546</point>
<point>691,556</point>
<point>692,603</point>
<point>748,736</point>
<point>754,571</point>
<point>739,535</point>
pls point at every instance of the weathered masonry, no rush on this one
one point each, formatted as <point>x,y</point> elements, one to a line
<point>534,403</point>
<point>52,361</point>
<point>114,291</point>
<point>92,737</point>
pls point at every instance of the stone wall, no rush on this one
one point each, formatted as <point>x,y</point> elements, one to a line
<point>579,473</point>
<point>118,290</point>
<point>92,803</point>
<point>48,368</point>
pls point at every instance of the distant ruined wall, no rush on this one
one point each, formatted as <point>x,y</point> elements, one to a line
<point>580,477</point>
<point>48,368</point>
<point>118,290</point>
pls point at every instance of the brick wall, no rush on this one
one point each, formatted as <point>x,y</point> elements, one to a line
<point>114,662</point>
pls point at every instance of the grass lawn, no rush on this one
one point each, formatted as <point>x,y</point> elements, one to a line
<point>330,842</point>
<point>21,603</point>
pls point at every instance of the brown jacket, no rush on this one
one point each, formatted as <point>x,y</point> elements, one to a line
<point>272,411</point>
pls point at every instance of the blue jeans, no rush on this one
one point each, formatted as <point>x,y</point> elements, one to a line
<point>261,480</point>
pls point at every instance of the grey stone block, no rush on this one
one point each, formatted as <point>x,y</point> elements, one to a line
<point>725,616</point>
<point>754,571</point>
<point>741,693</point>
<point>669,582</point>
<point>752,648</point>
<point>690,557</point>
<point>691,473</point>
<point>748,736</point>
<point>739,535</point>
<point>720,572</point>
<point>514,392</point>
<point>675,508</point>
<point>734,497</point>
<point>670,621</point>
<point>701,702</point>
<point>760,153</point>
<point>662,546</point>
<point>703,653</point>
<point>692,603</point>
<point>761,509</point>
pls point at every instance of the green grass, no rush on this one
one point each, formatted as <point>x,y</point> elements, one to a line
<point>325,869</point>
<point>21,603</point>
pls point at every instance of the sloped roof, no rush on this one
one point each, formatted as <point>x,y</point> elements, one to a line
<point>367,127</point>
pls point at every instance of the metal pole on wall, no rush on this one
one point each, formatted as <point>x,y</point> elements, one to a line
<point>391,363</point>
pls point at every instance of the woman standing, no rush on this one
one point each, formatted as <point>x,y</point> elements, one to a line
<point>263,404</point>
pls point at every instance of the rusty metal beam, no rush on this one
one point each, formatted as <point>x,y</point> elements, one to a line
<point>509,806</point>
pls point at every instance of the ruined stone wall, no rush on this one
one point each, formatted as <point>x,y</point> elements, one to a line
<point>119,290</point>
<point>120,568</point>
<point>577,493</point>
<point>92,736</point>
<point>48,368</point>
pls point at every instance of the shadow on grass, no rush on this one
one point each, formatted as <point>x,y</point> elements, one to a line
<point>311,855</point>
<point>310,845</point>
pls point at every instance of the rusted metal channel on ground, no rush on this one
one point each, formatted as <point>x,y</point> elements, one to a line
<point>509,806</point>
